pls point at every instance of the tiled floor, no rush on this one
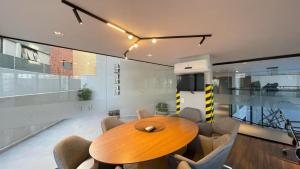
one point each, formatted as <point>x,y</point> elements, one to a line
<point>36,152</point>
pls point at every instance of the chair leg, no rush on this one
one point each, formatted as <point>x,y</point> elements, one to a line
<point>226,166</point>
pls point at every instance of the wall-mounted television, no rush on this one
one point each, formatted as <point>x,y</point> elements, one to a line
<point>190,82</point>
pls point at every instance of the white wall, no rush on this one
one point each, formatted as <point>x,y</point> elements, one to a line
<point>142,85</point>
<point>195,100</point>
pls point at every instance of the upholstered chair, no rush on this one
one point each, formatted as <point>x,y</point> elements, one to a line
<point>73,152</point>
<point>183,165</point>
<point>142,114</point>
<point>210,153</point>
<point>189,113</point>
<point>110,122</point>
<point>222,126</point>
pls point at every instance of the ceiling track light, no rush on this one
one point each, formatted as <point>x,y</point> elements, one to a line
<point>153,40</point>
<point>77,16</point>
<point>202,40</point>
<point>130,37</point>
<point>116,27</point>
<point>129,34</point>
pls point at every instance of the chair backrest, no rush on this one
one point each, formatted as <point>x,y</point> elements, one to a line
<point>217,157</point>
<point>226,126</point>
<point>142,114</point>
<point>110,122</point>
<point>71,152</point>
<point>192,114</point>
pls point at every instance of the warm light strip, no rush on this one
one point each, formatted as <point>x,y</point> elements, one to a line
<point>115,27</point>
<point>131,47</point>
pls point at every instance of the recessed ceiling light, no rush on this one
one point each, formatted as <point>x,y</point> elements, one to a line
<point>237,71</point>
<point>149,55</point>
<point>136,45</point>
<point>59,34</point>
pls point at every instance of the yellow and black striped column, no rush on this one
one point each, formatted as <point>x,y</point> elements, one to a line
<point>177,102</point>
<point>209,103</point>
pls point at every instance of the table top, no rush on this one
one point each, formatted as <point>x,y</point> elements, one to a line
<point>127,144</point>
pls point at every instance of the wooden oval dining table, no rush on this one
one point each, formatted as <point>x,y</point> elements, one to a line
<point>128,143</point>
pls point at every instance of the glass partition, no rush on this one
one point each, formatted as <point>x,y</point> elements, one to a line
<point>40,86</point>
<point>264,93</point>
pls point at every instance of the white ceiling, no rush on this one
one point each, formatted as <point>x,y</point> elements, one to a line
<point>241,29</point>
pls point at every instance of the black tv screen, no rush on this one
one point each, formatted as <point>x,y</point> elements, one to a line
<point>199,86</point>
<point>191,82</point>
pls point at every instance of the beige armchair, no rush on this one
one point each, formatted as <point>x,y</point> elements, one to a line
<point>222,126</point>
<point>142,114</point>
<point>183,165</point>
<point>189,113</point>
<point>73,153</point>
<point>211,153</point>
<point>110,122</point>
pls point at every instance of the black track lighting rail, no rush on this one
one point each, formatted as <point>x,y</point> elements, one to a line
<point>115,26</point>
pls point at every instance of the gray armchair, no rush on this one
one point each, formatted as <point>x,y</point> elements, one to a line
<point>110,122</point>
<point>211,153</point>
<point>222,126</point>
<point>142,114</point>
<point>189,113</point>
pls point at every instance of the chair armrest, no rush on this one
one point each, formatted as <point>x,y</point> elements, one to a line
<point>181,158</point>
<point>183,165</point>
<point>205,129</point>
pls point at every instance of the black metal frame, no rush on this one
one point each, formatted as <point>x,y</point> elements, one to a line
<point>139,38</point>
<point>259,59</point>
<point>251,117</point>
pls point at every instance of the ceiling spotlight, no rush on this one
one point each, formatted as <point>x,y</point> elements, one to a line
<point>149,55</point>
<point>136,45</point>
<point>59,34</point>
<point>77,16</point>
<point>154,40</point>
<point>236,71</point>
<point>126,58</point>
<point>130,37</point>
<point>116,27</point>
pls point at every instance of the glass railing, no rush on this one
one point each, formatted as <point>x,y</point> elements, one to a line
<point>263,93</point>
